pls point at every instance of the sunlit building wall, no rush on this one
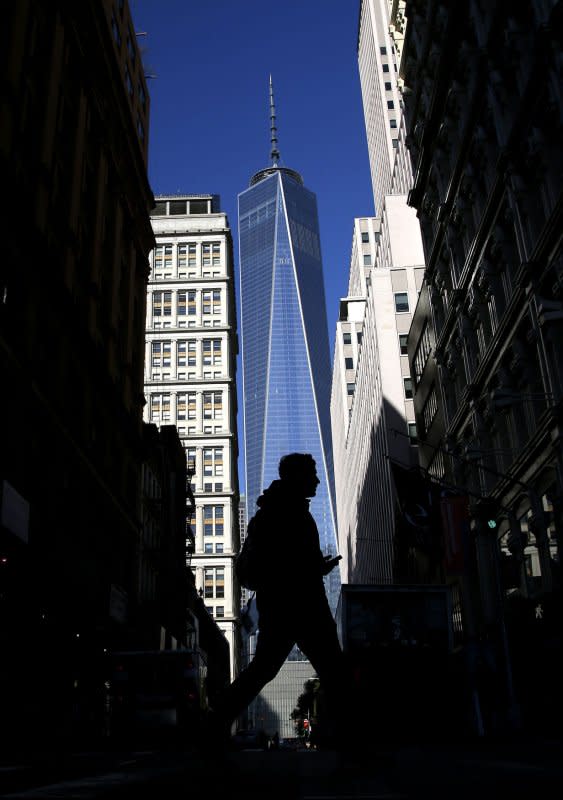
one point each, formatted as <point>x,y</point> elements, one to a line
<point>190,365</point>
<point>372,414</point>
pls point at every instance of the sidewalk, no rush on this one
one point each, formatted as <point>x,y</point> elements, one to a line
<point>474,770</point>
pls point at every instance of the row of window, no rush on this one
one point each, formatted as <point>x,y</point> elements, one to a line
<point>186,406</point>
<point>347,337</point>
<point>187,353</point>
<point>186,302</point>
<point>185,256</point>
<point>212,461</point>
<point>407,388</point>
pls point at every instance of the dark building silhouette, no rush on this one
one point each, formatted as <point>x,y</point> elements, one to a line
<point>483,109</point>
<point>77,233</point>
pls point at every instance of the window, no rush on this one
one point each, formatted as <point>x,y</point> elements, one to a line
<point>383,51</point>
<point>157,304</point>
<point>182,304</point>
<point>411,426</point>
<point>393,123</point>
<point>186,257</point>
<point>212,462</point>
<point>191,400</point>
<point>156,349</point>
<point>386,68</point>
<point>160,407</point>
<point>208,547</point>
<point>403,339</point>
<point>349,363</point>
<point>181,353</point>
<point>350,388</point>
<point>162,304</point>
<point>163,260</point>
<point>192,255</point>
<point>131,48</point>
<point>220,612</point>
<point>190,460</point>
<point>390,104</point>
<point>347,338</point>
<point>192,354</point>
<point>422,353</point>
<point>177,207</point>
<point>430,409</point>
<point>208,520</point>
<point>191,303</point>
<point>408,388</point>
<point>181,405</point>
<point>367,261</point>
<point>387,86</point>
<point>211,352</point>
<point>219,547</point>
<point>128,81</point>
<point>359,337</point>
<point>212,405</point>
<point>213,582</point>
<point>365,236</point>
<point>211,253</point>
<point>401,302</point>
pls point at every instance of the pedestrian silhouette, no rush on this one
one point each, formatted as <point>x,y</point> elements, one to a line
<point>288,568</point>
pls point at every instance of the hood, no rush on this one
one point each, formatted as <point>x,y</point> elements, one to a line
<point>279,495</point>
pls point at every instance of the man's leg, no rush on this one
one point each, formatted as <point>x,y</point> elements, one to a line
<point>319,641</point>
<point>273,646</point>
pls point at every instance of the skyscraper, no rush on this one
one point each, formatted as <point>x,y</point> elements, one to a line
<point>373,419</point>
<point>285,350</point>
<point>190,366</point>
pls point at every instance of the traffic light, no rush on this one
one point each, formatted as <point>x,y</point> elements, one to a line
<point>487,512</point>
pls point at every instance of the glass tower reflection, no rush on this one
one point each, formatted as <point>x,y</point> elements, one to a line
<point>285,349</point>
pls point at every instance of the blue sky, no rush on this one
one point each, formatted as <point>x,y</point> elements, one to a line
<point>209,127</point>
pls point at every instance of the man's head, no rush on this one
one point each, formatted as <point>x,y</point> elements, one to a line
<point>300,470</point>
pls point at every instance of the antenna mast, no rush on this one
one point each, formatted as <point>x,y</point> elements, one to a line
<point>274,152</point>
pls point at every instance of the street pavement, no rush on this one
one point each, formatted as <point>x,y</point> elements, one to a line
<point>478,770</point>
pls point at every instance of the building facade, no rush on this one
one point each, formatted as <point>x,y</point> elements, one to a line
<point>372,414</point>
<point>73,293</point>
<point>190,371</point>
<point>285,351</point>
<point>371,406</point>
<point>484,116</point>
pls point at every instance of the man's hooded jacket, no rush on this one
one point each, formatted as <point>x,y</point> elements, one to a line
<point>281,551</point>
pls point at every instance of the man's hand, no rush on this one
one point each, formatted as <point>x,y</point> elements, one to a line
<point>330,563</point>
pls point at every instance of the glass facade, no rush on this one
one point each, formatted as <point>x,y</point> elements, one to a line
<point>285,350</point>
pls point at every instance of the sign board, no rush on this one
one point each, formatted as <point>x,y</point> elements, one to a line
<point>395,616</point>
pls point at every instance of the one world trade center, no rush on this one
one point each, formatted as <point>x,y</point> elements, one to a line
<point>285,349</point>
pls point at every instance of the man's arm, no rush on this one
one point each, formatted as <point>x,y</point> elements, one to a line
<point>330,563</point>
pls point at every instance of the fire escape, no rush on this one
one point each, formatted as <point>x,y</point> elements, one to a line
<point>190,511</point>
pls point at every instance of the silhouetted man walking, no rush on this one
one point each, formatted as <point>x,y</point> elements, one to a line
<point>290,593</point>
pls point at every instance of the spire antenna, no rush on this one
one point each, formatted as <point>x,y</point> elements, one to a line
<point>274,152</point>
